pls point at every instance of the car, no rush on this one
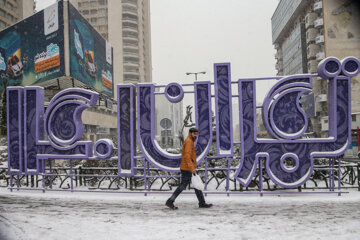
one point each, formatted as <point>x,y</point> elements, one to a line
<point>15,66</point>
<point>89,64</point>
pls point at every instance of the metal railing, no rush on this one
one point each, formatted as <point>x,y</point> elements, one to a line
<point>218,178</point>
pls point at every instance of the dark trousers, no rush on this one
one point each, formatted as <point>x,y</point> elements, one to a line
<point>185,180</point>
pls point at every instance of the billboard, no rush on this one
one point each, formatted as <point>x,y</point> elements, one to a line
<point>32,51</point>
<point>90,54</point>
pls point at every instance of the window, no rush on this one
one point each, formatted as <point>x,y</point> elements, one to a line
<point>10,17</point>
<point>353,118</point>
<point>102,11</point>
<point>2,13</point>
<point>102,27</point>
<point>93,20</point>
<point>2,24</point>
<point>93,3</point>
<point>2,2</point>
<point>84,4</point>
<point>85,12</point>
<point>93,11</point>
<point>102,2</point>
<point>102,20</point>
<point>9,5</point>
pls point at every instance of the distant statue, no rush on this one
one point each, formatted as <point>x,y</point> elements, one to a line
<point>187,123</point>
<point>187,117</point>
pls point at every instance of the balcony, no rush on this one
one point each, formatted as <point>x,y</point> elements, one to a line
<point>131,25</point>
<point>129,3</point>
<point>318,6</point>
<point>320,56</point>
<point>131,70</point>
<point>130,54</point>
<point>130,74</point>
<point>132,63</point>
<point>130,34</point>
<point>318,23</point>
<point>309,19</point>
<point>130,11</point>
<point>130,17</point>
<point>134,43</point>
<point>319,39</point>
<point>312,50</point>
<point>130,46</point>
<point>311,34</point>
<point>312,66</point>
<point>321,98</point>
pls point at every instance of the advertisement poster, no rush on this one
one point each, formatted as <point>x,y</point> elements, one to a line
<point>90,55</point>
<point>32,51</point>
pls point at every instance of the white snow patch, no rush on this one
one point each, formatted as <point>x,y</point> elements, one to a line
<point>65,215</point>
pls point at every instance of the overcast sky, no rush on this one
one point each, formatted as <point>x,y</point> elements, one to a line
<point>192,35</point>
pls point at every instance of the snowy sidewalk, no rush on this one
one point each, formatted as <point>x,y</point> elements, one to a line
<point>64,215</point>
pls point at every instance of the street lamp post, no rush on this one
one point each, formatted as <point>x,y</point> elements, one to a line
<point>195,73</point>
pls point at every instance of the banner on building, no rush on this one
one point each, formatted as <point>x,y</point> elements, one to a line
<point>32,50</point>
<point>90,54</point>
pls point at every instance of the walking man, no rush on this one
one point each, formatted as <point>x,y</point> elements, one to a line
<point>188,167</point>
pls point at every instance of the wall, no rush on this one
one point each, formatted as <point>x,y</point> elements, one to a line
<point>342,36</point>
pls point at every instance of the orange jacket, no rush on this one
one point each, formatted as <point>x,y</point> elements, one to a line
<point>188,155</point>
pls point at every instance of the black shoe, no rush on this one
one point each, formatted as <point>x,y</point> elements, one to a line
<point>205,205</point>
<point>169,203</point>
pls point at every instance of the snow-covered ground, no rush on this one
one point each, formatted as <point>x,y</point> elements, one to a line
<point>66,215</point>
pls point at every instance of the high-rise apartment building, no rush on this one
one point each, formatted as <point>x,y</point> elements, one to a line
<point>169,122</point>
<point>126,25</point>
<point>306,31</point>
<point>12,11</point>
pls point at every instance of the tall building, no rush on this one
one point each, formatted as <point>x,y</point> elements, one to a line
<point>12,11</point>
<point>126,24</point>
<point>169,122</point>
<point>306,31</point>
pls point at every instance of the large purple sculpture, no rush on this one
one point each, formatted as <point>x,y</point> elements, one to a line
<point>35,135</point>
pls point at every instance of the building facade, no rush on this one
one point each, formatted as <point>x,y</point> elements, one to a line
<point>12,11</point>
<point>169,123</point>
<point>126,25</point>
<point>306,31</point>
